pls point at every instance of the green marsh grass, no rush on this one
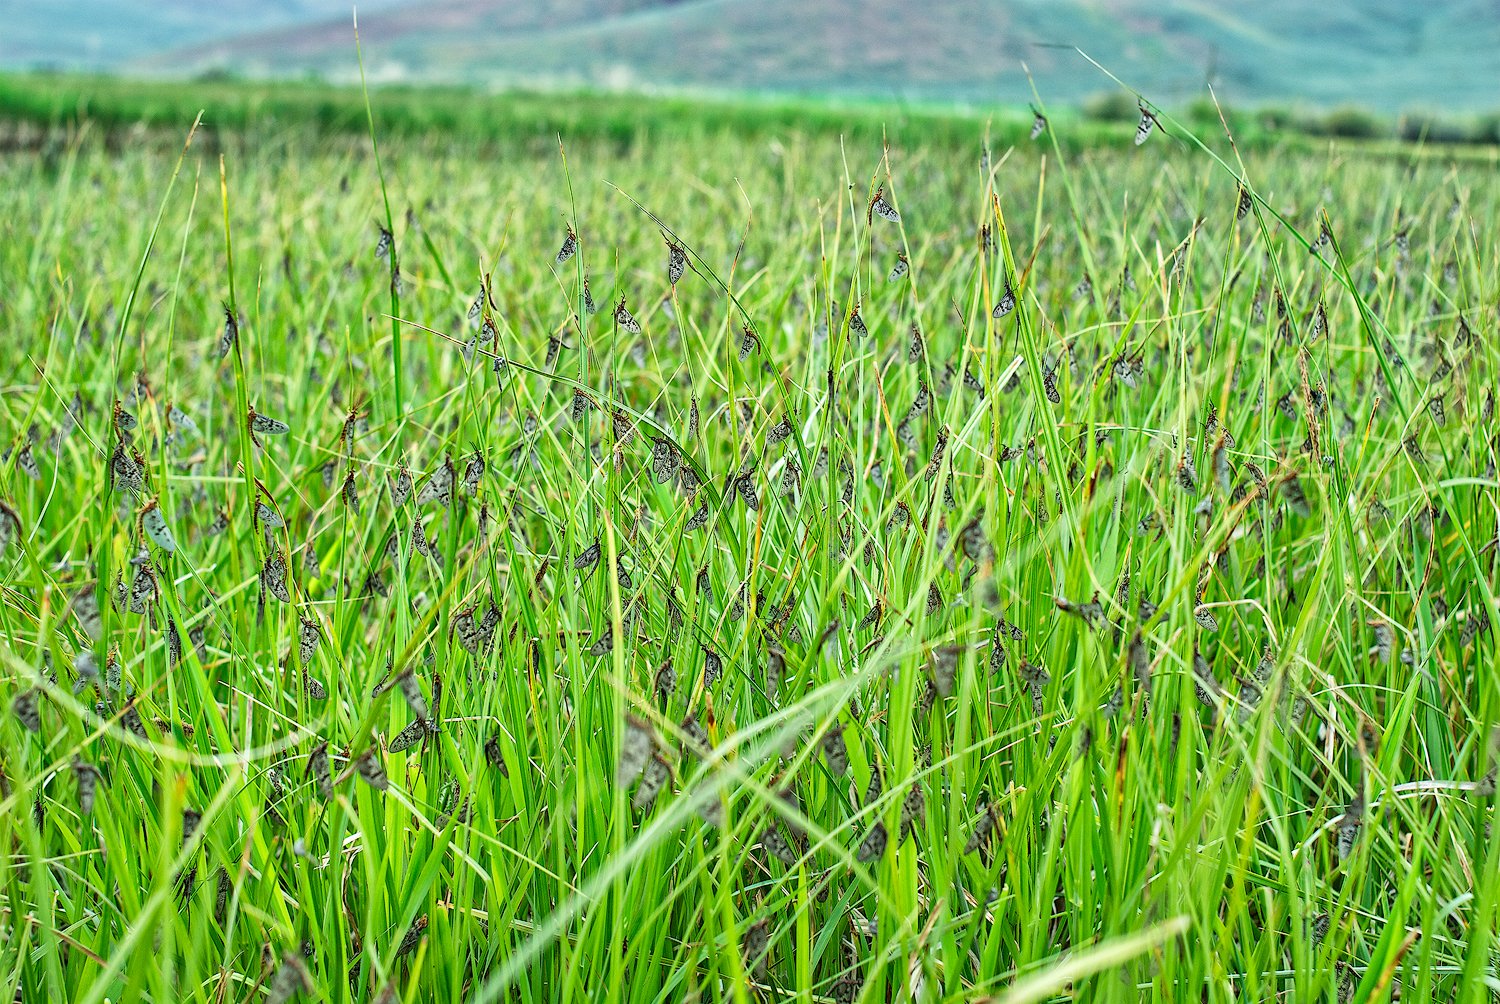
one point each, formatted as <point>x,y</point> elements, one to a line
<point>1317,826</point>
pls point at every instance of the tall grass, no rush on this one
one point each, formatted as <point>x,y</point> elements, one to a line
<point>1063,813</point>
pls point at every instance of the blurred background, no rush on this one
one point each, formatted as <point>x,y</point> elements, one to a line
<point>1386,56</point>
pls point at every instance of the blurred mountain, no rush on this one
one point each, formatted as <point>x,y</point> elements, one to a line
<point>109,34</point>
<point>1383,54</point>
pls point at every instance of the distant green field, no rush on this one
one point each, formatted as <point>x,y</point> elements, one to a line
<point>603,549</point>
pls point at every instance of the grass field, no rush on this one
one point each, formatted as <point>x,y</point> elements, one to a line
<point>396,608</point>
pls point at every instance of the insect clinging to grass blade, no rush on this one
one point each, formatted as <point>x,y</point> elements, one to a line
<point>569,248</point>
<point>880,207</point>
<point>1006,303</point>
<point>899,269</point>
<point>625,319</point>
<point>267,426</point>
<point>155,526</point>
<point>1146,124</point>
<point>676,261</point>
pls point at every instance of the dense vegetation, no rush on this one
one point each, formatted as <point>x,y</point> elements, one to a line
<point>704,561</point>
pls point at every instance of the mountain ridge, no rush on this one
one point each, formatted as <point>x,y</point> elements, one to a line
<point>1378,53</point>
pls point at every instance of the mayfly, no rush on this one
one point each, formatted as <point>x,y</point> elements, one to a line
<point>938,449</point>
<point>291,978</point>
<point>400,486</point>
<point>142,588</point>
<point>466,630</point>
<point>757,941</point>
<point>350,493</point>
<point>473,473</point>
<point>1007,302</point>
<point>984,827</point>
<point>10,527</point>
<point>676,261</point>
<point>880,207</point>
<point>921,403</point>
<point>124,420</point>
<point>781,431</point>
<point>267,426</point>
<point>1438,409</point>
<point>713,667</point>
<point>899,269</point>
<point>605,644</point>
<point>1324,238</point>
<point>835,752</point>
<point>916,348</point>
<point>273,576</point>
<point>569,248</point>
<point>873,845</point>
<point>370,770</point>
<point>413,936</point>
<point>439,486</point>
<point>973,541</point>
<point>1049,385</point>
<point>86,608</point>
<point>1350,822</point>
<point>1091,613</point>
<point>1384,640</point>
<point>1205,684</point>
<point>317,766</point>
<point>1319,322</point>
<point>772,839</point>
<point>231,333</point>
<point>383,245</point>
<point>1187,475</point>
<point>857,324</point>
<point>180,419</point>
<point>625,319</point>
<point>913,808</point>
<point>581,404</point>
<point>749,343</point>
<point>155,525</point>
<point>665,460</point>
<point>126,470</point>
<point>775,669</point>
<point>494,756</point>
<point>308,636</point>
<point>87,777</point>
<point>411,690</point>
<point>407,737</point>
<point>1038,123</point>
<point>653,779</point>
<point>1246,203</point>
<point>1144,127</point>
<point>744,485</point>
<point>266,517</point>
<point>945,667</point>
<point>666,680</point>
<point>27,710</point>
<point>635,749</point>
<point>695,736</point>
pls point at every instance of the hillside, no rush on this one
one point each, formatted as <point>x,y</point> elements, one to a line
<point>1375,52</point>
<point>108,34</point>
